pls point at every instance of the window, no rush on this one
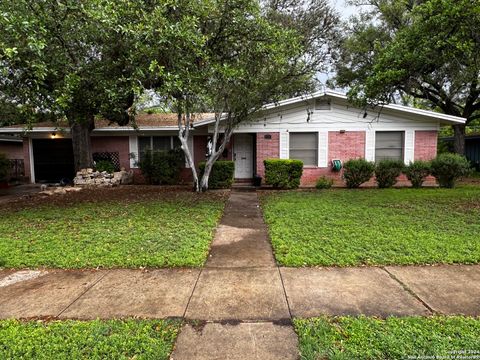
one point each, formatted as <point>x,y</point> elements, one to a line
<point>157,143</point>
<point>304,146</point>
<point>322,104</point>
<point>389,145</point>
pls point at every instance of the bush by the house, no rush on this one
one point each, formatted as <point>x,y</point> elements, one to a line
<point>4,167</point>
<point>324,183</point>
<point>357,171</point>
<point>417,171</point>
<point>221,176</point>
<point>447,168</point>
<point>105,165</point>
<point>283,174</point>
<point>387,171</point>
<point>162,167</point>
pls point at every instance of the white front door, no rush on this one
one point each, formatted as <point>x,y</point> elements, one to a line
<point>243,155</point>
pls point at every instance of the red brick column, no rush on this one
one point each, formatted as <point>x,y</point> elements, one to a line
<point>268,147</point>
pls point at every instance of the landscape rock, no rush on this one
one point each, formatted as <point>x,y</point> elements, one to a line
<point>87,178</point>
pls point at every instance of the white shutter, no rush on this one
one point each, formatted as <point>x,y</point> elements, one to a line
<point>370,145</point>
<point>284,145</point>
<point>409,146</point>
<point>323,149</point>
<point>133,150</point>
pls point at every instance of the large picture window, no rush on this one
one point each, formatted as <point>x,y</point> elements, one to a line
<point>389,145</point>
<point>157,143</point>
<point>304,146</point>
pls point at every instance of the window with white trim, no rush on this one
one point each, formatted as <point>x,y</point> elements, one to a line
<point>304,146</point>
<point>389,145</point>
<point>157,143</point>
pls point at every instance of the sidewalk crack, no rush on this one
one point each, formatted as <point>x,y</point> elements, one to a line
<point>83,293</point>
<point>411,292</point>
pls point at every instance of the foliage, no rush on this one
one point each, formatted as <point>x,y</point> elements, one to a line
<point>105,165</point>
<point>357,171</point>
<point>447,168</point>
<point>222,174</point>
<point>283,174</point>
<point>97,339</point>
<point>162,167</point>
<point>421,52</point>
<point>390,338</point>
<point>417,171</point>
<point>232,57</point>
<point>387,172</point>
<point>136,232</point>
<point>356,227</point>
<point>75,60</point>
<point>324,183</point>
<point>4,167</point>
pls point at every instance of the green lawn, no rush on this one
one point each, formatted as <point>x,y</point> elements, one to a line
<point>372,226</point>
<point>113,339</point>
<point>156,231</point>
<point>394,338</point>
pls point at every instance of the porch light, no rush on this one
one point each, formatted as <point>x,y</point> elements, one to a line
<point>53,135</point>
<point>342,131</point>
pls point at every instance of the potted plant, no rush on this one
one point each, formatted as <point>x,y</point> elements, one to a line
<point>4,168</point>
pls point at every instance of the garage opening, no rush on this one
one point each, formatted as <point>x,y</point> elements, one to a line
<point>53,160</point>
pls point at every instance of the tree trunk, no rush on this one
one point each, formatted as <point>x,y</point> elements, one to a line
<point>459,139</point>
<point>80,129</point>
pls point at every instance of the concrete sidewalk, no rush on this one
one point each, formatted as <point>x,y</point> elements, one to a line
<point>244,300</point>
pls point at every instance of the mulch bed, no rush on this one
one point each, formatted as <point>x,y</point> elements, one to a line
<point>121,194</point>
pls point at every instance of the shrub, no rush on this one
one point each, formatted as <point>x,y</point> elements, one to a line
<point>417,171</point>
<point>283,174</point>
<point>162,167</point>
<point>221,176</point>
<point>105,165</point>
<point>324,183</point>
<point>387,172</point>
<point>4,167</point>
<point>357,171</point>
<point>447,168</point>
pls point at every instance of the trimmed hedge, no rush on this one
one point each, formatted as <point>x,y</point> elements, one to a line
<point>283,174</point>
<point>387,172</point>
<point>447,168</point>
<point>357,171</point>
<point>221,176</point>
<point>416,172</point>
<point>162,167</point>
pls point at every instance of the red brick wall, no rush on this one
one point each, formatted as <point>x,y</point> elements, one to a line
<point>267,149</point>
<point>346,146</point>
<point>425,145</point>
<point>113,144</point>
<point>11,149</point>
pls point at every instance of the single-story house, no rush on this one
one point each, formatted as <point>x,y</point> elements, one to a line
<point>316,129</point>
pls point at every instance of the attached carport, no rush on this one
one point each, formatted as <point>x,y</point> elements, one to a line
<point>53,160</point>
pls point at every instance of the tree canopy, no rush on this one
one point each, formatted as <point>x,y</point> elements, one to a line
<point>425,50</point>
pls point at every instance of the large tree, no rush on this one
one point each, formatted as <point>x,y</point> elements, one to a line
<point>234,56</point>
<point>73,60</point>
<point>427,51</point>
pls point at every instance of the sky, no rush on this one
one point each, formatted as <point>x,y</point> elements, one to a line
<point>344,10</point>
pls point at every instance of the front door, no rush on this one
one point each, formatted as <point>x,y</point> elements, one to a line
<point>243,155</point>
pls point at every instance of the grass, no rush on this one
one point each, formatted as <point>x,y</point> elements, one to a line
<point>343,338</point>
<point>157,232</point>
<point>375,227</point>
<point>112,339</point>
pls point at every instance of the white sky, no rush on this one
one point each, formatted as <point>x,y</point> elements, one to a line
<point>344,10</point>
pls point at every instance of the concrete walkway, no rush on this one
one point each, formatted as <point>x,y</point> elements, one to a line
<point>244,302</point>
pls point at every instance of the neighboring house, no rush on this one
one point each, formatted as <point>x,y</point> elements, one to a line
<point>316,129</point>
<point>472,148</point>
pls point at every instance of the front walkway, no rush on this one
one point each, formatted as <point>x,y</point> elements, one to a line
<point>243,302</point>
